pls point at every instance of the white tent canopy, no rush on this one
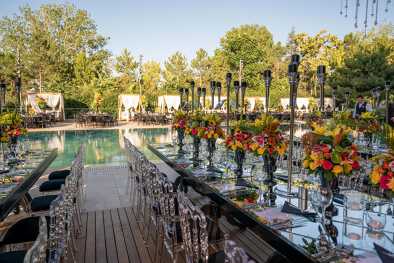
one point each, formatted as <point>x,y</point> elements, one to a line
<point>304,102</point>
<point>125,104</point>
<point>252,101</point>
<point>54,101</point>
<point>171,101</point>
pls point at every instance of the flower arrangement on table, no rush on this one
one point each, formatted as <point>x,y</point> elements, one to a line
<point>344,118</point>
<point>240,141</point>
<point>382,173</point>
<point>194,125</point>
<point>314,117</point>
<point>368,123</point>
<point>179,123</point>
<point>268,139</point>
<point>11,127</point>
<point>211,132</point>
<point>245,198</point>
<point>330,152</point>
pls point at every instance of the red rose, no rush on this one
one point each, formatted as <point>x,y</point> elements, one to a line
<point>384,180</point>
<point>325,148</point>
<point>356,165</point>
<point>390,174</point>
<point>327,165</point>
<point>385,165</point>
<point>194,131</point>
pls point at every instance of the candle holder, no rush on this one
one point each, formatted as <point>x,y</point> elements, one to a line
<point>376,96</point>
<point>321,76</point>
<point>267,76</point>
<point>293,81</point>
<point>192,88</point>
<point>219,89</point>
<point>204,93</point>
<point>228,86</point>
<point>212,87</point>
<point>244,85</point>
<point>199,91</point>
<point>18,88</point>
<point>347,97</point>
<point>181,92</point>
<point>236,89</point>
<point>3,89</point>
<point>387,86</point>
<point>187,99</point>
<point>334,97</point>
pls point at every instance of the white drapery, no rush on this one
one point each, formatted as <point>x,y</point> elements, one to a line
<point>252,102</point>
<point>127,102</point>
<point>171,101</point>
<point>54,100</point>
<point>304,102</point>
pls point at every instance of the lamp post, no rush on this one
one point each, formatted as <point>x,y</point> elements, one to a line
<point>3,89</point>
<point>212,87</point>
<point>236,89</point>
<point>228,84</point>
<point>334,97</point>
<point>18,87</point>
<point>321,76</point>
<point>198,97</point>
<point>204,93</point>
<point>243,92</point>
<point>387,86</point>
<point>267,76</point>
<point>293,81</point>
<point>219,88</point>
<point>347,97</point>
<point>192,88</point>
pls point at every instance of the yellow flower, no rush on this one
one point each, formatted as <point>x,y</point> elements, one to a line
<point>233,147</point>
<point>347,168</point>
<point>216,136</point>
<point>238,144</point>
<point>337,169</point>
<point>319,130</point>
<point>254,146</point>
<point>315,156</point>
<point>314,165</point>
<point>375,176</point>
<point>282,149</point>
<point>305,163</point>
<point>261,151</point>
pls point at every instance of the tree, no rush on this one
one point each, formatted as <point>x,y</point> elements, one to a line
<point>253,44</point>
<point>200,66</point>
<point>369,61</point>
<point>176,72</point>
<point>321,49</point>
<point>151,81</point>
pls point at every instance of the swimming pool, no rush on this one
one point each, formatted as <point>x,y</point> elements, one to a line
<point>101,146</point>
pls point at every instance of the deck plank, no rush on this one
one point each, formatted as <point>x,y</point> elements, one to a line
<point>142,251</point>
<point>128,236</point>
<point>112,255</point>
<point>119,238</point>
<point>101,255</point>
<point>81,241</point>
<point>90,250</point>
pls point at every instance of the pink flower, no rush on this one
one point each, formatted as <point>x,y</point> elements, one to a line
<point>384,180</point>
<point>194,131</point>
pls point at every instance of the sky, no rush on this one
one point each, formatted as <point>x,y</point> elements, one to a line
<point>158,28</point>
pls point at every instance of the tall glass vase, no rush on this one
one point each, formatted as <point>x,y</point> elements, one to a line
<point>181,137</point>
<point>269,167</point>
<point>196,150</point>
<point>211,147</point>
<point>239,159</point>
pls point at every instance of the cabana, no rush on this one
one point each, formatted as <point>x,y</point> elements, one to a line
<point>167,102</point>
<point>253,101</point>
<point>54,101</point>
<point>125,105</point>
<point>303,103</point>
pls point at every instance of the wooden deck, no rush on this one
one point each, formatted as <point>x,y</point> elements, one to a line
<point>111,236</point>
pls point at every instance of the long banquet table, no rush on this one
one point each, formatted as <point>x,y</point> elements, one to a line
<point>13,191</point>
<point>287,241</point>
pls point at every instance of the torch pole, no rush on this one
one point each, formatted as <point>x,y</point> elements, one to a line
<point>228,84</point>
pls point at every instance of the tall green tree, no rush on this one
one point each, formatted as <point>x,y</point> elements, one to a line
<point>254,45</point>
<point>200,67</point>
<point>176,72</point>
<point>151,81</point>
<point>127,67</point>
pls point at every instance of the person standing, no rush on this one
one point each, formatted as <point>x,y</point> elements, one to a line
<point>361,107</point>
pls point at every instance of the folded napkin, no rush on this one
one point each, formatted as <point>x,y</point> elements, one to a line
<point>384,255</point>
<point>291,209</point>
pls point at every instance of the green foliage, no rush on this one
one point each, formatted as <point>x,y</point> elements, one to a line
<point>176,72</point>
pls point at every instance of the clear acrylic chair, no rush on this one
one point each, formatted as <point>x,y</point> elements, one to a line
<point>38,252</point>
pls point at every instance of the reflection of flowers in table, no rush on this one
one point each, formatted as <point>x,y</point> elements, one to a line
<point>11,130</point>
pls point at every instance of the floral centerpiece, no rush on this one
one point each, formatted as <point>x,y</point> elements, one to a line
<point>314,117</point>
<point>382,173</point>
<point>211,132</point>
<point>11,129</point>
<point>194,128</point>
<point>240,141</point>
<point>180,124</point>
<point>330,152</point>
<point>368,124</point>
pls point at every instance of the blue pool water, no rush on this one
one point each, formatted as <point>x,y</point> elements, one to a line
<point>101,146</point>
